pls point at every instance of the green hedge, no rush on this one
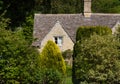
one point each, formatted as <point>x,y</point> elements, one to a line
<point>48,76</point>
<point>97,61</point>
<point>86,31</point>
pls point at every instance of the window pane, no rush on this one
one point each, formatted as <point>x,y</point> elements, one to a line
<point>60,41</point>
<point>56,40</point>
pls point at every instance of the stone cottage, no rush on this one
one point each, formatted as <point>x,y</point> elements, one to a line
<point>61,28</point>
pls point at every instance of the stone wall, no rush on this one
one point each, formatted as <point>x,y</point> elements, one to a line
<point>57,30</point>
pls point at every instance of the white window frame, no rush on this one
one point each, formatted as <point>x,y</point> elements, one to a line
<point>58,40</point>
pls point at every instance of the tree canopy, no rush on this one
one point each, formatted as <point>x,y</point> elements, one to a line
<point>17,11</point>
<point>96,56</point>
<point>97,60</point>
<point>51,57</point>
<point>106,6</point>
<point>18,60</point>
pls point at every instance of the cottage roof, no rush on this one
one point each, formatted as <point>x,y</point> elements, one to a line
<point>43,23</point>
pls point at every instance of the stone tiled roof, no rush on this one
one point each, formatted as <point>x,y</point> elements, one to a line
<point>43,23</point>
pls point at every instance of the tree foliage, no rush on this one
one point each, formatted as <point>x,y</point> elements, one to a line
<point>97,60</point>
<point>48,76</point>
<point>86,31</point>
<point>51,57</point>
<point>18,60</point>
<point>106,6</point>
<point>67,54</point>
<point>52,64</point>
<point>1,4</point>
<point>17,11</point>
<point>76,6</point>
<point>58,6</point>
<point>27,30</point>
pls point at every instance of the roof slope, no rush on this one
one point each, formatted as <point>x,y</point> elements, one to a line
<point>43,23</point>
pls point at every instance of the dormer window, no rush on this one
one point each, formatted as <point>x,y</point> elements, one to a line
<point>58,40</point>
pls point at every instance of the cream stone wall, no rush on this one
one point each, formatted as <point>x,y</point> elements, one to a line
<point>115,27</point>
<point>57,30</point>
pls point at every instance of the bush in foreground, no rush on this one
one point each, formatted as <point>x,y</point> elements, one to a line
<point>97,61</point>
<point>53,64</point>
<point>51,57</point>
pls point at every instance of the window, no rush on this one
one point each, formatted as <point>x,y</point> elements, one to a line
<point>58,40</point>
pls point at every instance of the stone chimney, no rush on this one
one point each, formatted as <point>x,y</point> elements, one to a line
<point>87,8</point>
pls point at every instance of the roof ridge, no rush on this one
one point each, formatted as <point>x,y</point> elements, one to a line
<point>106,14</point>
<point>114,14</point>
<point>57,14</point>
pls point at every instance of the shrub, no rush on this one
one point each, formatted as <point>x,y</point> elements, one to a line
<point>51,57</point>
<point>18,60</point>
<point>67,54</point>
<point>48,76</point>
<point>97,61</point>
<point>86,31</point>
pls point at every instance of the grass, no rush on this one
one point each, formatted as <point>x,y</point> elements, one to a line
<point>68,80</point>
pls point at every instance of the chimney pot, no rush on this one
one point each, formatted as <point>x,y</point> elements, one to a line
<point>87,8</point>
